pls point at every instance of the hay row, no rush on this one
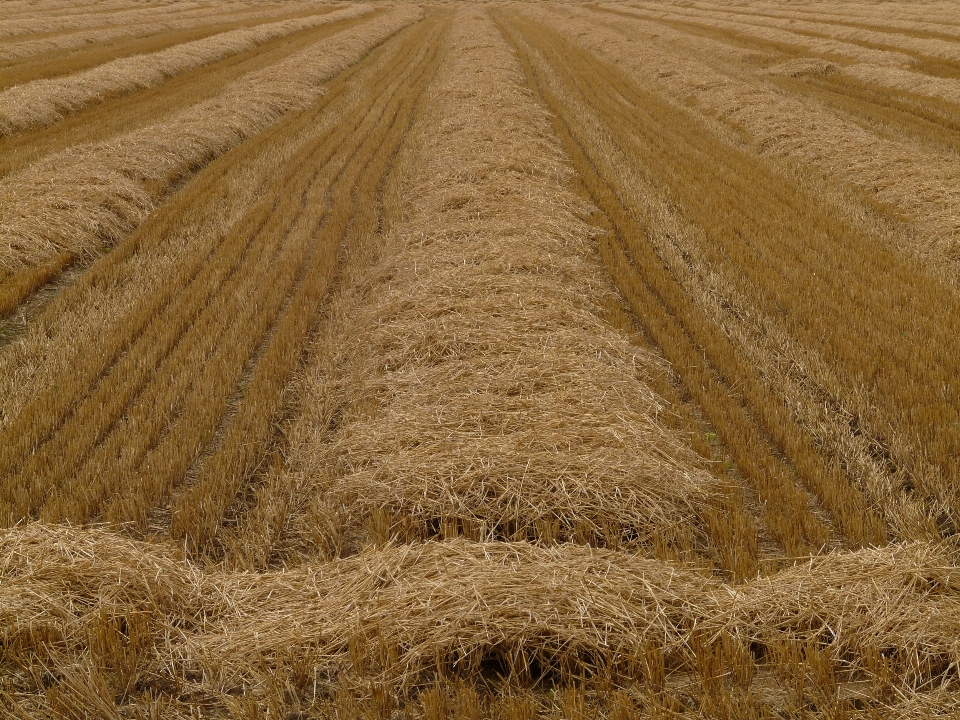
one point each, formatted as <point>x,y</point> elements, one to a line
<point>29,17</point>
<point>479,390</point>
<point>765,49</point>
<point>44,102</point>
<point>145,622</point>
<point>89,195</point>
<point>947,89</point>
<point>852,251</point>
<point>810,387</point>
<point>147,267</point>
<point>937,17</point>
<point>918,182</point>
<point>679,22</point>
<point>819,397</point>
<point>15,48</point>
<point>935,20</point>
<point>931,47</point>
<point>50,18</point>
<point>906,171</point>
<point>775,456</point>
<point>472,381</point>
<point>887,68</point>
<point>122,115</point>
<point>206,347</point>
<point>56,64</point>
<point>880,70</point>
<point>857,410</point>
<point>356,196</point>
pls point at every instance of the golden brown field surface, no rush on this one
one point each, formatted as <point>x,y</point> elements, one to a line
<point>479,360</point>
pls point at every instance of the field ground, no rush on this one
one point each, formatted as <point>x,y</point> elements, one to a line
<point>469,360</point>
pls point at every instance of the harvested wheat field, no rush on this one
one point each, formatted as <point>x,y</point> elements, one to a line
<point>479,360</point>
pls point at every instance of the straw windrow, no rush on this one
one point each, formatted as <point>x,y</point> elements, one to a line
<point>95,27</point>
<point>814,374</point>
<point>919,181</point>
<point>80,198</point>
<point>44,102</point>
<point>482,394</point>
<point>484,500</point>
<point>399,616</point>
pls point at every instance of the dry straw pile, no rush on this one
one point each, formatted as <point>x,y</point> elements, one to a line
<point>80,198</point>
<point>898,599</point>
<point>114,618</point>
<point>44,102</point>
<point>406,611</point>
